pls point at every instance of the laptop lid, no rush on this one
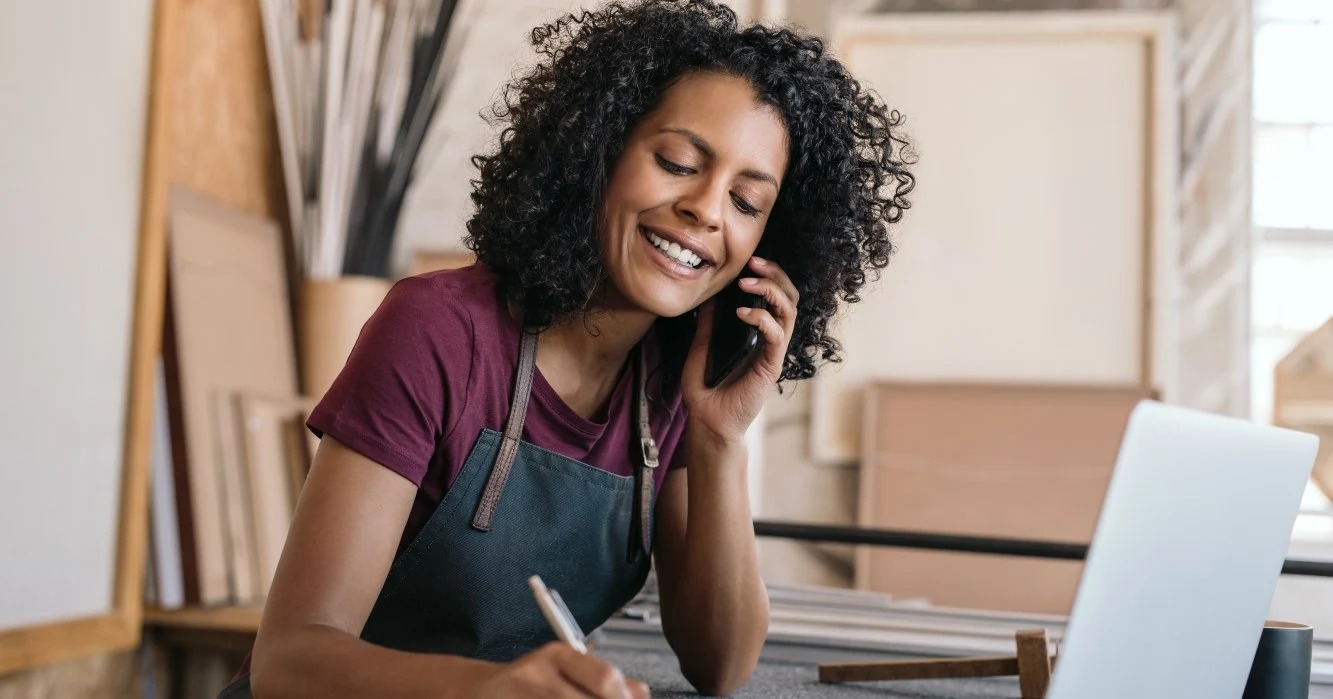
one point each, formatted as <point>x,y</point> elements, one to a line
<point>1186,555</point>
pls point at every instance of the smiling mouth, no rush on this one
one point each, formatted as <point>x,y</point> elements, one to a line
<point>674,251</point>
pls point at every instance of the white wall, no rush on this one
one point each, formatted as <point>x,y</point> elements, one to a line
<point>73,79</point>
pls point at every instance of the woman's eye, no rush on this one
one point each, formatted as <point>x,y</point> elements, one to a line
<point>673,168</point>
<point>744,206</point>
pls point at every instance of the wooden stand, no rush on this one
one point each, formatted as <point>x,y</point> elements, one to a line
<point>1032,665</point>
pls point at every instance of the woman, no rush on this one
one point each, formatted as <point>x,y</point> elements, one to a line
<point>544,411</point>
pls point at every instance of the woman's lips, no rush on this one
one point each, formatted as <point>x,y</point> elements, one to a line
<point>667,264</point>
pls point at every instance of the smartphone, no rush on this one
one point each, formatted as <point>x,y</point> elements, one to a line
<point>734,343</point>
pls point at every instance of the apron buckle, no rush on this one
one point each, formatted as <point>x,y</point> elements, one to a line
<point>648,446</point>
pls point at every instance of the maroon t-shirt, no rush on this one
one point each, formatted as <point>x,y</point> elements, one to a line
<point>435,365</point>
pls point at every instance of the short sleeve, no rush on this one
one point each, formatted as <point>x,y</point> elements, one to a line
<point>404,381</point>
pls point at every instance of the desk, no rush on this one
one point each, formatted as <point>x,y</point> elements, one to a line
<point>808,627</point>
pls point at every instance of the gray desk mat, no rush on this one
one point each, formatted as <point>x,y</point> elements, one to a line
<point>776,679</point>
<point>793,680</point>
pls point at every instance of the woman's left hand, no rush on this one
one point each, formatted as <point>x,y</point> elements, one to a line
<point>727,410</point>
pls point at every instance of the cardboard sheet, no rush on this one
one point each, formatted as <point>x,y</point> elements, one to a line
<point>1008,460</point>
<point>231,331</point>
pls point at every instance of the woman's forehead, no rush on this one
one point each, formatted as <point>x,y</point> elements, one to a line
<point>724,111</point>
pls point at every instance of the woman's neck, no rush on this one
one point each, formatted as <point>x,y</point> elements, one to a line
<point>600,341</point>
<point>583,357</point>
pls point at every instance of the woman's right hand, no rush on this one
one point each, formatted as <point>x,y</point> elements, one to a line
<point>558,671</point>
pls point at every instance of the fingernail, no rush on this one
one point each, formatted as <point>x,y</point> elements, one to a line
<point>749,281</point>
<point>759,261</point>
<point>744,310</point>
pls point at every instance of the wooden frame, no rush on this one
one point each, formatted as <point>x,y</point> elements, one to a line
<point>834,423</point>
<point>119,629</point>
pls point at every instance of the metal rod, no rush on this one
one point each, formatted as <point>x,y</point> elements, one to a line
<point>972,544</point>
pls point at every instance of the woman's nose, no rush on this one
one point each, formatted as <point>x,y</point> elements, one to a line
<point>702,206</point>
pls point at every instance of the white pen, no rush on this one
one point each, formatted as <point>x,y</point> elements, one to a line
<point>557,614</point>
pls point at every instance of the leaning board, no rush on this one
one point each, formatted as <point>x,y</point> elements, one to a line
<point>80,258</point>
<point>1041,221</point>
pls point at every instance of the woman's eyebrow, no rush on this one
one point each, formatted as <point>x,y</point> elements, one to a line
<point>698,142</point>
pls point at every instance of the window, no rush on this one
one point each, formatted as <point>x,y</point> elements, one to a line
<point>1293,183</point>
<point>1292,285</point>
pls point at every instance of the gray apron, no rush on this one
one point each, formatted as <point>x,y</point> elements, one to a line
<point>516,510</point>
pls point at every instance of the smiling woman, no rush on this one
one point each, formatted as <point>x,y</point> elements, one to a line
<point>479,432</point>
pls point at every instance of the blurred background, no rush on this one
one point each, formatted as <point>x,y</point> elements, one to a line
<point>204,200</point>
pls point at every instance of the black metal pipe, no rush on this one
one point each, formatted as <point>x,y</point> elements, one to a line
<point>971,544</point>
<point>921,540</point>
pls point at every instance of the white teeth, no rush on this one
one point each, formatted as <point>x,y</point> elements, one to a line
<point>673,250</point>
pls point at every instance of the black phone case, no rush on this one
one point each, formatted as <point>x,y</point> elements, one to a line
<point>733,341</point>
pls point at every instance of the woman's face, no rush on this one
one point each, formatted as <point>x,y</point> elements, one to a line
<point>698,177</point>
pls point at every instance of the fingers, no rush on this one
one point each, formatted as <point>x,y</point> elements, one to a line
<point>780,305</point>
<point>770,270</point>
<point>539,675</point>
<point>557,671</point>
<point>775,336</point>
<point>778,320</point>
<point>591,675</point>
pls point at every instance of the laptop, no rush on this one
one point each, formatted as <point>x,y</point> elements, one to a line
<point>1188,547</point>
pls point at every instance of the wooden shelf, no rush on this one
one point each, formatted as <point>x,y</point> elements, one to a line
<point>242,620</point>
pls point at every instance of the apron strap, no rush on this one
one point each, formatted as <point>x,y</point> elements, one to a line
<point>504,458</point>
<point>641,533</point>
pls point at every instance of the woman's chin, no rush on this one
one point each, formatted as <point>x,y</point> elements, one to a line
<point>663,303</point>
<point>647,291</point>
<point>667,308</point>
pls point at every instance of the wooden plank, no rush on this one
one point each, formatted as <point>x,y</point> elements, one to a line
<point>223,137</point>
<point>947,668</point>
<point>223,134</point>
<point>146,347</point>
<point>52,643</point>
<point>230,619</point>
<point>1034,664</point>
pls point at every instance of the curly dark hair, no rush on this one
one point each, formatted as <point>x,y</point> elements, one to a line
<point>539,194</point>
